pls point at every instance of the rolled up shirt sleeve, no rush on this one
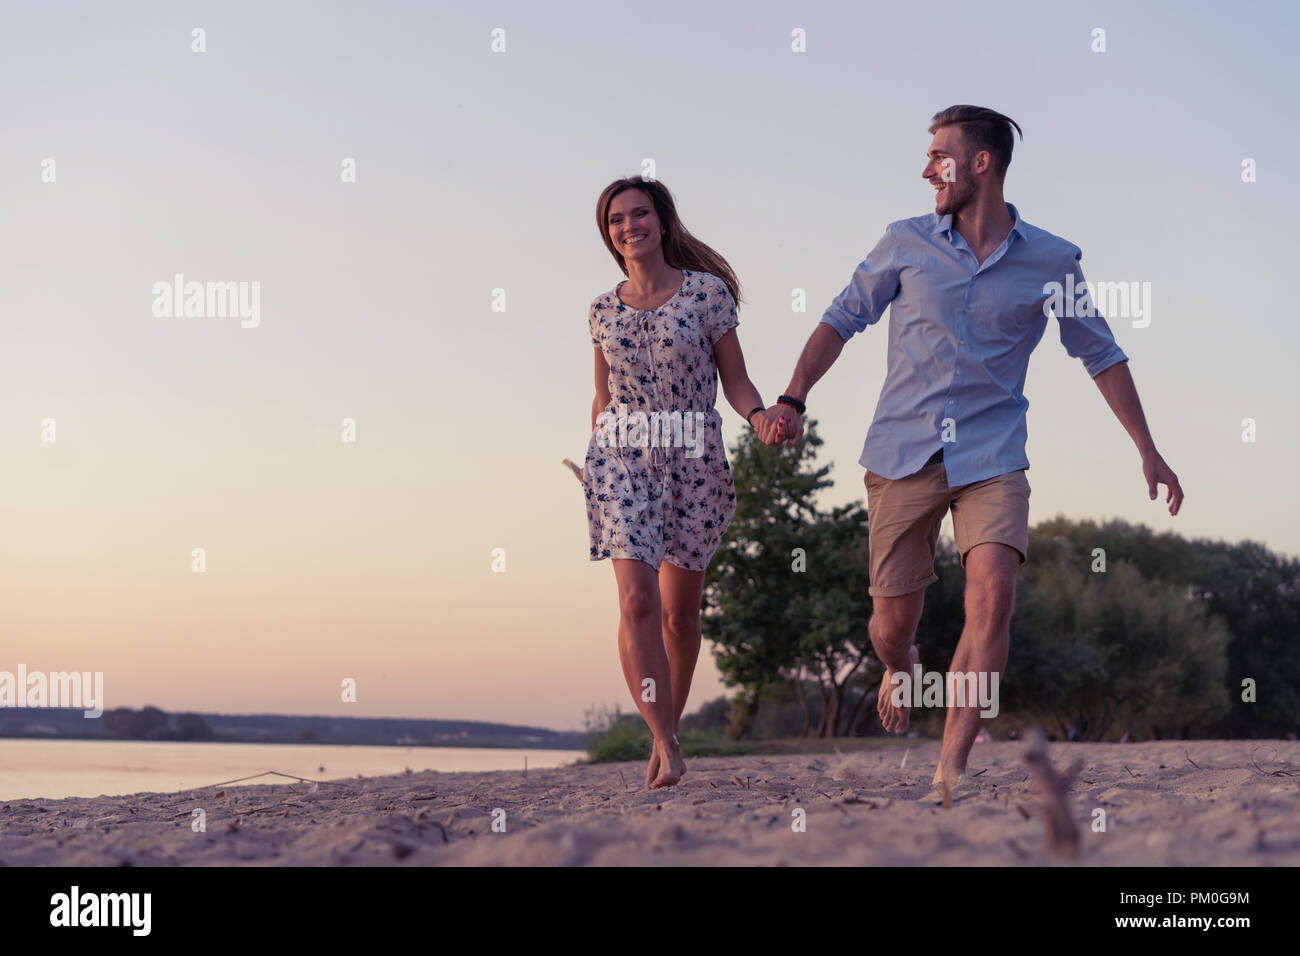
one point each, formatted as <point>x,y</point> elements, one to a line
<point>1084,333</point>
<point>873,286</point>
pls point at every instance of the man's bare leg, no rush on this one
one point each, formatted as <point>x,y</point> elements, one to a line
<point>892,629</point>
<point>991,570</point>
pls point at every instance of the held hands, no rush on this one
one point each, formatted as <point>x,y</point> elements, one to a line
<point>779,424</point>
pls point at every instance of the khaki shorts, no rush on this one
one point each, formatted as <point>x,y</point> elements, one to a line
<point>904,515</point>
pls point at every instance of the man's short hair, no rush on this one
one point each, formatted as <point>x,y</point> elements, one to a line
<point>982,129</point>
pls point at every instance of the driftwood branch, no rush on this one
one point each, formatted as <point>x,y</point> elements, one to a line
<point>1062,831</point>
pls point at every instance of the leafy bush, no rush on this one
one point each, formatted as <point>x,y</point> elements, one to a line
<point>613,736</point>
<point>1108,651</point>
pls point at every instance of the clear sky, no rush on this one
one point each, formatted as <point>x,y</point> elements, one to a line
<point>478,171</point>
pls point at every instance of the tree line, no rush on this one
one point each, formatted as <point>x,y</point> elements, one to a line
<point>1117,630</point>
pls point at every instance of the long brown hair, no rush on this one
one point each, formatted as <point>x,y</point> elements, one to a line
<point>681,249</point>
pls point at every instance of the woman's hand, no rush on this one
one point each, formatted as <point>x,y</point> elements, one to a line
<point>791,424</point>
<point>777,424</point>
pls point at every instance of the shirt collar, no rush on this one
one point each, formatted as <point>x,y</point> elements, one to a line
<point>944,224</point>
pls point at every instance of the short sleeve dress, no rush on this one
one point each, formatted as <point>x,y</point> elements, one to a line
<point>659,493</point>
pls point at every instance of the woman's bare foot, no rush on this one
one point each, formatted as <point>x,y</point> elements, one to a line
<point>652,769</point>
<point>895,719</point>
<point>670,757</point>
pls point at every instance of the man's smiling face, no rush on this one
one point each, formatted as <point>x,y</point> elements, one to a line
<point>948,170</point>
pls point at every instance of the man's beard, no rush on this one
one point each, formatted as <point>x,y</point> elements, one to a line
<point>954,199</point>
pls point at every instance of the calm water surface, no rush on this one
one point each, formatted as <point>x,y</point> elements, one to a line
<point>88,768</point>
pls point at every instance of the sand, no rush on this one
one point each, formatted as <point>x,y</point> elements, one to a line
<point>1168,803</point>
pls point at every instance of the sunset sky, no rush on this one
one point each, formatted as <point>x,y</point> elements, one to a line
<point>478,171</point>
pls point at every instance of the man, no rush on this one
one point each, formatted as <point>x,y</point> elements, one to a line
<point>970,287</point>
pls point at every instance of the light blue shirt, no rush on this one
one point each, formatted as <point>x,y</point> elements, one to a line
<point>960,336</point>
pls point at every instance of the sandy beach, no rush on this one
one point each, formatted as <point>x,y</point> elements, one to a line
<point>1166,803</point>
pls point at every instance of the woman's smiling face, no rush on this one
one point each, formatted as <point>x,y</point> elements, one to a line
<point>633,224</point>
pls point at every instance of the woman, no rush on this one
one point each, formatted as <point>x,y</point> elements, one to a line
<point>662,338</point>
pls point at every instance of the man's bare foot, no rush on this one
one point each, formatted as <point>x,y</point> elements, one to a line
<point>950,774</point>
<point>945,782</point>
<point>670,757</point>
<point>895,719</point>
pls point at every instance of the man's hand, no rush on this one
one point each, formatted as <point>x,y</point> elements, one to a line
<point>1116,384</point>
<point>1157,472</point>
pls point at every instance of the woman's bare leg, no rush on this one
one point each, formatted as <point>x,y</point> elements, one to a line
<point>642,654</point>
<point>680,592</point>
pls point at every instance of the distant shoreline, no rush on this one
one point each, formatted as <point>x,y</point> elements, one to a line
<point>152,723</point>
<point>100,738</point>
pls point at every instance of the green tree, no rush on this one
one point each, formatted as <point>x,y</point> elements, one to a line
<point>1255,592</point>
<point>1093,650</point>
<point>134,724</point>
<point>192,727</point>
<point>1157,644</point>
<point>785,595</point>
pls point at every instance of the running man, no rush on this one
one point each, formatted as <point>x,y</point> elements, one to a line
<point>971,286</point>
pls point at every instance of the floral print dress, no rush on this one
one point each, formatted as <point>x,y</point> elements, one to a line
<point>660,500</point>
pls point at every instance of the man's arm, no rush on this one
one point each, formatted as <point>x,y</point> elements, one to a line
<point>819,354</point>
<point>874,285</point>
<point>1116,384</point>
<point>1087,337</point>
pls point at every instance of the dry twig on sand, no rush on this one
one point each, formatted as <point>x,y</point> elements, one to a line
<point>1062,832</point>
<point>1271,773</point>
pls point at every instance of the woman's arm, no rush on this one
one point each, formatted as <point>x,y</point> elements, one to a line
<point>602,387</point>
<point>736,386</point>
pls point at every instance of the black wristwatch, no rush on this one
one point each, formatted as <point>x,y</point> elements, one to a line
<point>794,403</point>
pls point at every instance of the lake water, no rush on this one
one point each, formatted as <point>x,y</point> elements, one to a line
<point>88,768</point>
